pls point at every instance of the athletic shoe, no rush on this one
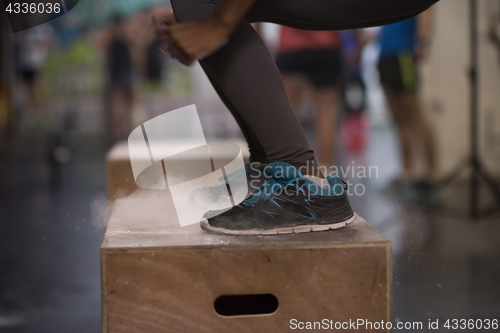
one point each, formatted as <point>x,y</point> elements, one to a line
<point>255,177</point>
<point>287,203</point>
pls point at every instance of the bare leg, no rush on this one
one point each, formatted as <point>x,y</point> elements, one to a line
<point>403,124</point>
<point>423,130</point>
<point>120,99</point>
<point>294,90</point>
<point>327,105</point>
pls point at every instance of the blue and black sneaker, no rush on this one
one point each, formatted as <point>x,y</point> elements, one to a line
<point>287,203</point>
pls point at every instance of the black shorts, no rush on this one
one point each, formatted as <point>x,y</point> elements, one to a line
<point>322,66</point>
<point>29,74</point>
<point>121,79</point>
<point>399,72</point>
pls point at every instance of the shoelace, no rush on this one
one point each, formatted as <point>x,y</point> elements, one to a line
<point>267,189</point>
<point>271,187</point>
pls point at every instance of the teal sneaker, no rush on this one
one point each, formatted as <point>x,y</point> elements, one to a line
<point>287,203</point>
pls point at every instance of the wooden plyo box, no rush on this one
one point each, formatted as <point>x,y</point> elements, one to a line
<point>119,177</point>
<point>160,277</point>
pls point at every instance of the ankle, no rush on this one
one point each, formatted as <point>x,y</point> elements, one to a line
<point>316,173</point>
<point>321,182</point>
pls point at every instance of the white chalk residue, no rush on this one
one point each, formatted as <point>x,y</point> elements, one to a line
<point>100,211</point>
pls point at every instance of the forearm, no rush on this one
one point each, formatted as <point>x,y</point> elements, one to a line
<point>230,12</point>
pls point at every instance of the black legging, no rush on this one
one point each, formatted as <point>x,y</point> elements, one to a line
<point>247,80</point>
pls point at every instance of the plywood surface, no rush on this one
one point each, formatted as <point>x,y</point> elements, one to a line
<point>147,219</point>
<point>160,277</point>
<point>174,291</point>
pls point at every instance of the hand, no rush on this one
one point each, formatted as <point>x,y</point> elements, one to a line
<point>191,40</point>
<point>196,40</point>
<point>162,20</point>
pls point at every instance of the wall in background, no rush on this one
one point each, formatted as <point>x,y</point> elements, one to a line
<point>445,86</point>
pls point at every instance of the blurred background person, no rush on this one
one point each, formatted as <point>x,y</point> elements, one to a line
<point>402,46</point>
<point>354,125</point>
<point>154,64</point>
<point>120,80</point>
<point>316,57</point>
<point>32,48</point>
<point>142,40</point>
<point>134,67</point>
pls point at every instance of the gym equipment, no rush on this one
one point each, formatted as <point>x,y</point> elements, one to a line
<point>160,277</point>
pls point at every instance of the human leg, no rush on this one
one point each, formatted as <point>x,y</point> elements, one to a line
<point>257,153</point>
<point>115,116</point>
<point>247,77</point>
<point>292,67</point>
<point>399,112</point>
<point>422,129</point>
<point>327,104</point>
<point>294,89</point>
<point>242,66</point>
<point>325,72</point>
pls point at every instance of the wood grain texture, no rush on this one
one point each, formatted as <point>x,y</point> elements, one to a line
<point>159,277</point>
<point>120,179</point>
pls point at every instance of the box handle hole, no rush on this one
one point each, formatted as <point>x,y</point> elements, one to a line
<point>245,305</point>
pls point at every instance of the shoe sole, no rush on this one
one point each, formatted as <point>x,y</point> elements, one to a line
<point>278,231</point>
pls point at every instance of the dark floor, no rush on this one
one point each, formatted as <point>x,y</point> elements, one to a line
<point>445,265</point>
<point>49,247</point>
